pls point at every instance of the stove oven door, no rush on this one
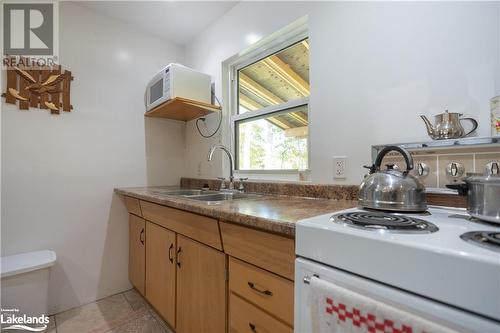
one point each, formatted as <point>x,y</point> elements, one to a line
<point>444,315</point>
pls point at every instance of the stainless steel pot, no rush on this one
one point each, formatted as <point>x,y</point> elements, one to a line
<point>391,189</point>
<point>483,196</point>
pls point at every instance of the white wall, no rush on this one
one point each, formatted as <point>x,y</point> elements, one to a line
<point>498,63</point>
<point>59,171</point>
<point>374,68</point>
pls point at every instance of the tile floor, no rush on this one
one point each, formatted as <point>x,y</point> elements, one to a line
<point>127,312</point>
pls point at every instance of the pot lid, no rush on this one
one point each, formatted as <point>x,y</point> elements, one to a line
<point>490,179</point>
<point>446,112</point>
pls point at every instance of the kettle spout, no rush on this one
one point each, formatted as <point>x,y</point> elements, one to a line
<point>428,125</point>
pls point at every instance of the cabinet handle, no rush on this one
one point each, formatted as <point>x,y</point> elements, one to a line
<point>179,250</point>
<point>140,236</point>
<point>170,256</point>
<point>252,327</point>
<point>265,292</point>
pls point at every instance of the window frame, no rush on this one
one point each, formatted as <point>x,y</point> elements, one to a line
<point>278,41</point>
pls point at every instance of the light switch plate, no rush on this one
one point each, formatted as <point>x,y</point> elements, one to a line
<point>339,167</point>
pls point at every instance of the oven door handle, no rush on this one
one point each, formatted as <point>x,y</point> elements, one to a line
<point>307,278</point>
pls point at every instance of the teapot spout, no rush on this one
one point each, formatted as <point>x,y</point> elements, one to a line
<point>428,125</point>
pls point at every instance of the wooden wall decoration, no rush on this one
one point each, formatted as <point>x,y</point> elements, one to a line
<point>40,87</point>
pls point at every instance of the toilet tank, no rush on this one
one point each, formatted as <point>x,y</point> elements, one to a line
<point>25,282</point>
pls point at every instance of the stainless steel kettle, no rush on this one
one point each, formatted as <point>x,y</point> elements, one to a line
<point>448,126</point>
<point>391,189</point>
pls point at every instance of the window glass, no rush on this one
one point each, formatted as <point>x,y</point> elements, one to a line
<point>276,79</point>
<point>156,91</point>
<point>273,141</point>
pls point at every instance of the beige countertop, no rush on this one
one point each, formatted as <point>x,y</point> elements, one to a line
<point>275,213</point>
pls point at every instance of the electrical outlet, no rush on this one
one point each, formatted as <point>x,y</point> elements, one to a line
<point>339,167</point>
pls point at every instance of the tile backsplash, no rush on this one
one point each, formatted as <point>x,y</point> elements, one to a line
<point>448,165</point>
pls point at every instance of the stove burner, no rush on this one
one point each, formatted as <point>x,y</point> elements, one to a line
<point>391,222</point>
<point>486,239</point>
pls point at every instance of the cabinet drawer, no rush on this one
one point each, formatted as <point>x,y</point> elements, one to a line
<point>270,292</point>
<point>201,228</point>
<point>246,318</point>
<point>263,249</point>
<point>133,206</point>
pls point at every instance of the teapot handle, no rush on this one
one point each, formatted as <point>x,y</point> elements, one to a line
<point>474,125</point>
<point>404,152</point>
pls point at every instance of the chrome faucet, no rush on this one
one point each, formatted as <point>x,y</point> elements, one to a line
<point>231,163</point>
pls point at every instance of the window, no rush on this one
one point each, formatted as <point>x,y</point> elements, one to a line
<point>270,114</point>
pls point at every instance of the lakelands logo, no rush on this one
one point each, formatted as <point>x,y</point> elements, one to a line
<point>11,319</point>
<point>30,32</point>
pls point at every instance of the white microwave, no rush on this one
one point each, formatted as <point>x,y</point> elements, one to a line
<point>177,80</point>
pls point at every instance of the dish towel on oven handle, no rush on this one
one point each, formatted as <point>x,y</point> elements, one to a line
<point>335,309</point>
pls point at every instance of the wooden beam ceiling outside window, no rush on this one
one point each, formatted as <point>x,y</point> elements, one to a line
<point>297,132</point>
<point>284,71</point>
<point>249,103</point>
<point>305,42</point>
<point>288,75</point>
<point>259,90</point>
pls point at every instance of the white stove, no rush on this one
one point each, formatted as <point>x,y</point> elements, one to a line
<point>432,262</point>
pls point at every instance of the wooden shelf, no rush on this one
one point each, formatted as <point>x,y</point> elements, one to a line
<point>182,109</point>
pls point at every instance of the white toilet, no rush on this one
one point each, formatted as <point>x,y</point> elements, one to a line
<point>25,282</point>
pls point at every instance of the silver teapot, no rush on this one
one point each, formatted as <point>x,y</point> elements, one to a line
<point>448,126</point>
<point>391,189</point>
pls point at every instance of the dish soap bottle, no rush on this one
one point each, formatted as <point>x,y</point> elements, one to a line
<point>495,116</point>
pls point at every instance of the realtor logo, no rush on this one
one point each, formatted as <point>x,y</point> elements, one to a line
<point>13,319</point>
<point>30,30</point>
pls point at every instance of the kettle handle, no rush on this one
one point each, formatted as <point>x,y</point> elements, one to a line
<point>474,125</point>
<point>404,152</point>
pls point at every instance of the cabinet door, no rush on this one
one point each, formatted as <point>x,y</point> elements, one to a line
<point>160,270</point>
<point>137,252</point>
<point>201,288</point>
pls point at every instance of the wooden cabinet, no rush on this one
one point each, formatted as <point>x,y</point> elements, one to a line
<point>179,261</point>
<point>246,318</point>
<point>201,288</point>
<point>161,270</point>
<point>133,206</point>
<point>261,282</point>
<point>137,252</point>
<point>201,228</point>
<point>263,249</point>
<point>268,291</point>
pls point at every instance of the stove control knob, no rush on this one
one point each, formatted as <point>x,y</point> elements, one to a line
<point>422,169</point>
<point>455,170</point>
<point>493,168</point>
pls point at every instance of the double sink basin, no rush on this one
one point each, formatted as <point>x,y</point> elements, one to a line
<point>209,197</point>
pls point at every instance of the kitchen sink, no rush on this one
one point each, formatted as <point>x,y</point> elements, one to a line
<point>209,197</point>
<point>186,192</point>
<point>220,197</point>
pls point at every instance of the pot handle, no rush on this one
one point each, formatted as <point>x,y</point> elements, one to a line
<point>462,188</point>
<point>474,125</point>
<point>404,152</point>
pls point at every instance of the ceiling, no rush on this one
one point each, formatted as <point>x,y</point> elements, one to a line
<point>176,21</point>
